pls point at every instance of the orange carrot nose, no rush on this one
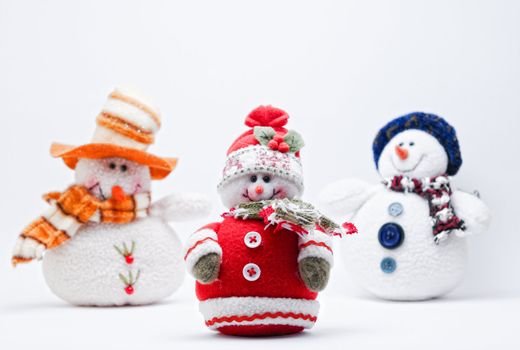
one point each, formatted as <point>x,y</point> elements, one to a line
<point>401,152</point>
<point>259,189</point>
<point>118,194</point>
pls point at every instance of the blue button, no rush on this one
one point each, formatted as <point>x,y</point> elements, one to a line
<point>388,265</point>
<point>395,209</point>
<point>391,235</point>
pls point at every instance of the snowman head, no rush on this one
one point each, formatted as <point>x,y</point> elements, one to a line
<point>417,145</point>
<point>413,153</point>
<point>257,187</point>
<point>264,162</point>
<point>102,176</point>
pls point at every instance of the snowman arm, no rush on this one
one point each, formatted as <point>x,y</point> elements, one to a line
<point>201,243</point>
<point>345,197</point>
<point>181,207</point>
<point>316,244</point>
<point>472,210</point>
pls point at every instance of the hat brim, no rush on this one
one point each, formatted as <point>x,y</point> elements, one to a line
<point>159,167</point>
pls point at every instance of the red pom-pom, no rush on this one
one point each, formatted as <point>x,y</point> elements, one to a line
<point>267,116</point>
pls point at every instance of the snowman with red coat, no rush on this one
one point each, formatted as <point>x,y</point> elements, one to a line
<point>260,269</point>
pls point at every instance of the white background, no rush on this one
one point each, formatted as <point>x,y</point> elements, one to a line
<point>342,69</point>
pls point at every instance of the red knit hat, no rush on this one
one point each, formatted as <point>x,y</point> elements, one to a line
<point>266,147</point>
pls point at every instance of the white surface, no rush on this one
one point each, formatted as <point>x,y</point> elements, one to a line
<point>340,68</point>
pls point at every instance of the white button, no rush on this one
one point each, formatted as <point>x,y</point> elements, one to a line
<point>251,272</point>
<point>252,239</point>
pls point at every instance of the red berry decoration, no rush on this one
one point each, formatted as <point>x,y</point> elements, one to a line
<point>129,281</point>
<point>284,147</point>
<point>129,290</point>
<point>278,138</point>
<point>273,144</point>
<point>127,254</point>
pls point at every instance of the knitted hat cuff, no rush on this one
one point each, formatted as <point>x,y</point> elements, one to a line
<point>429,123</point>
<point>258,158</point>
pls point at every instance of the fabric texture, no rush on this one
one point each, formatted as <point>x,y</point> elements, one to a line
<point>88,270</point>
<point>72,209</point>
<point>437,191</point>
<point>236,299</point>
<point>267,146</point>
<point>430,123</point>
<point>125,128</point>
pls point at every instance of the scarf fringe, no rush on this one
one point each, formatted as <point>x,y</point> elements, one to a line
<point>293,215</point>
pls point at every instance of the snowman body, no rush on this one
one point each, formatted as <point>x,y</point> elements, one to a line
<point>409,267</point>
<point>86,270</point>
<point>411,244</point>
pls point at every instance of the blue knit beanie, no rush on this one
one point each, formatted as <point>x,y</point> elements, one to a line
<point>430,123</point>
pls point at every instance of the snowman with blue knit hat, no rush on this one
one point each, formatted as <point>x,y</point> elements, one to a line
<point>413,225</point>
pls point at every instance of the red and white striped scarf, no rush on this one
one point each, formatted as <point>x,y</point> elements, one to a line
<point>437,191</point>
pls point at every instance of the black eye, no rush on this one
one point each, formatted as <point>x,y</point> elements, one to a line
<point>253,178</point>
<point>412,143</point>
<point>266,178</point>
<point>124,168</point>
<point>401,144</point>
<point>112,166</point>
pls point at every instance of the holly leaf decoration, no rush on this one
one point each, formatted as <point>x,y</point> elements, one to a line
<point>264,134</point>
<point>294,140</point>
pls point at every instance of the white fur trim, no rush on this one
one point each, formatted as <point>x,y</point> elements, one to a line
<point>260,158</point>
<point>201,243</point>
<point>312,245</point>
<point>105,135</point>
<point>200,235</point>
<point>213,309</point>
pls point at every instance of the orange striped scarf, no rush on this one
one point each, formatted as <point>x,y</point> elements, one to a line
<point>74,208</point>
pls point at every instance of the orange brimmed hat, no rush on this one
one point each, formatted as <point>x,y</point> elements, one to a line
<point>125,128</point>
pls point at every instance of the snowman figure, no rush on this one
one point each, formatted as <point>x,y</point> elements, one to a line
<point>102,241</point>
<point>412,226</point>
<point>260,269</point>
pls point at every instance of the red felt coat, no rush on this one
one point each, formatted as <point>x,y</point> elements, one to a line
<point>259,289</point>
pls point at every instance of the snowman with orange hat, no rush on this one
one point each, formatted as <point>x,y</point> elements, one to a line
<point>102,240</point>
<point>260,269</point>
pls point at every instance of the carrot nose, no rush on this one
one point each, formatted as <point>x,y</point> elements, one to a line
<point>259,189</point>
<point>118,194</point>
<point>401,152</point>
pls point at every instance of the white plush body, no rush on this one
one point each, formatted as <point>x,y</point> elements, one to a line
<point>85,270</point>
<point>424,269</point>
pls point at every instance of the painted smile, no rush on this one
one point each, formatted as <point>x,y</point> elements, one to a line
<point>410,169</point>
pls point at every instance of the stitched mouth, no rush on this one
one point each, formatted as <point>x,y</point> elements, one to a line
<point>138,187</point>
<point>246,195</point>
<point>407,170</point>
<point>101,194</point>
